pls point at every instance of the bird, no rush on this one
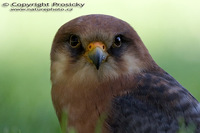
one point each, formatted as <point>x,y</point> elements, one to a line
<point>102,71</point>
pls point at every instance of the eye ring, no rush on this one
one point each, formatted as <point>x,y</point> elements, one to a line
<point>117,42</point>
<point>74,41</point>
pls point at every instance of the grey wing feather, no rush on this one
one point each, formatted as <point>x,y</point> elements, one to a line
<point>155,106</point>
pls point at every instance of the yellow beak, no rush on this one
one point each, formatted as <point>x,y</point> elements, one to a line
<point>97,53</point>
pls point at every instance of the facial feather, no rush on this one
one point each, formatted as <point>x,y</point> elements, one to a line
<point>83,72</point>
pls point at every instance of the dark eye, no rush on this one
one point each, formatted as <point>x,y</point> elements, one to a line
<point>74,41</point>
<point>117,42</point>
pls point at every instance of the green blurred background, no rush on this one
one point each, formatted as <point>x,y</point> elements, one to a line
<point>169,29</point>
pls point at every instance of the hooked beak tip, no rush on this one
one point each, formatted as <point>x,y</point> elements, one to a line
<point>97,56</point>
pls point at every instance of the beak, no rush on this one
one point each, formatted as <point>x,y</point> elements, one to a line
<point>97,53</point>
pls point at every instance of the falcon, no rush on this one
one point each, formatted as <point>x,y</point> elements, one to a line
<point>100,67</point>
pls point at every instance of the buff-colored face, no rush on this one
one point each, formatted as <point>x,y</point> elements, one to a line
<point>96,48</point>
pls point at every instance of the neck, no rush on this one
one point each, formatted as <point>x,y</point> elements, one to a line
<point>85,104</point>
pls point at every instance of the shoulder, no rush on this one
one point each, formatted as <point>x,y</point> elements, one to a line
<point>155,104</point>
<point>130,114</point>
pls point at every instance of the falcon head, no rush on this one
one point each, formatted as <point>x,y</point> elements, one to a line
<point>97,48</point>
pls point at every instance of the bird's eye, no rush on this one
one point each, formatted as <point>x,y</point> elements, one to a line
<point>117,42</point>
<point>74,41</point>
